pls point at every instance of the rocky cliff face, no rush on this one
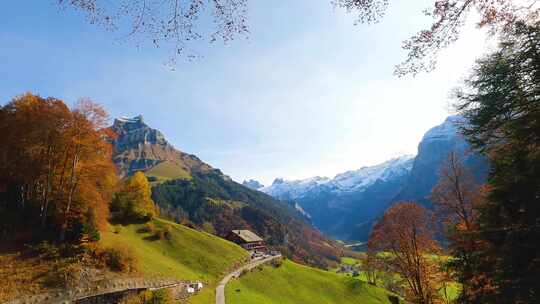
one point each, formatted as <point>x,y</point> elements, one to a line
<point>433,151</point>
<point>139,148</point>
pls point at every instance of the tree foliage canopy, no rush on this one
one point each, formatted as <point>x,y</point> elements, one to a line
<point>56,171</point>
<point>406,233</point>
<point>502,101</point>
<point>134,201</point>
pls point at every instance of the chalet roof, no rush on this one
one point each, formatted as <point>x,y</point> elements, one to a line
<point>247,235</point>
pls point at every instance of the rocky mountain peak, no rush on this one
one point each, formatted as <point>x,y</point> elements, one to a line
<point>253,184</point>
<point>133,132</point>
<point>129,123</point>
<point>138,147</point>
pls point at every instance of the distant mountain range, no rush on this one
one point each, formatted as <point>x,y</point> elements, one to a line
<point>191,191</point>
<point>346,206</point>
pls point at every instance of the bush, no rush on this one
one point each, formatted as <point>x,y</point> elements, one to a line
<point>162,296</point>
<point>148,228</point>
<point>160,234</point>
<point>117,229</point>
<point>120,259</point>
<point>63,275</point>
<point>208,228</point>
<point>167,232</point>
<point>243,272</point>
<point>45,250</point>
<point>276,263</point>
<point>164,233</point>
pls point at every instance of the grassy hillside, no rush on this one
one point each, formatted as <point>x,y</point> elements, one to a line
<point>189,254</point>
<point>293,283</point>
<point>212,199</point>
<point>167,170</point>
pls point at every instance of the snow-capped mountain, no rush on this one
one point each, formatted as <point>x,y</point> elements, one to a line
<point>350,181</point>
<point>253,184</point>
<point>347,205</point>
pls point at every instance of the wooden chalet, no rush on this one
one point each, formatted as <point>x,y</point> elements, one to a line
<point>247,239</point>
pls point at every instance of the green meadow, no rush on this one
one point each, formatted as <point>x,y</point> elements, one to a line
<point>187,254</point>
<point>293,283</point>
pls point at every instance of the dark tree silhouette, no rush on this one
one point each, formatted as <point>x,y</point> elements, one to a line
<point>502,102</point>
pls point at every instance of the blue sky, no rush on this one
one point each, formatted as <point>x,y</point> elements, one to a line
<point>307,93</point>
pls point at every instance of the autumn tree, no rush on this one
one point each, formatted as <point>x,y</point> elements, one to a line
<point>406,233</point>
<point>56,170</point>
<point>457,197</point>
<point>169,22</point>
<point>133,201</point>
<point>448,19</point>
<point>502,103</point>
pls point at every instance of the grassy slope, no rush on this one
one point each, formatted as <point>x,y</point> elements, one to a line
<point>349,261</point>
<point>166,171</point>
<point>189,254</point>
<point>293,283</point>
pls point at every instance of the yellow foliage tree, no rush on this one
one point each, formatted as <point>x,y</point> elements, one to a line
<point>133,201</point>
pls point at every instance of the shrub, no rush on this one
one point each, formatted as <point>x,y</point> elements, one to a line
<point>160,234</point>
<point>148,228</point>
<point>164,233</point>
<point>276,263</point>
<point>117,229</point>
<point>45,250</point>
<point>162,296</point>
<point>63,275</point>
<point>208,228</point>
<point>120,259</point>
<point>167,232</point>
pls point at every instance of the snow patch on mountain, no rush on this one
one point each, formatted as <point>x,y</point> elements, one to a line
<point>301,210</point>
<point>350,181</point>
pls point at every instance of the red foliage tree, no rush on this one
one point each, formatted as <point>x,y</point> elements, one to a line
<point>406,234</point>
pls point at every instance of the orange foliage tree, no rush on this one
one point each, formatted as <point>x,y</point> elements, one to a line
<point>56,169</point>
<point>405,236</point>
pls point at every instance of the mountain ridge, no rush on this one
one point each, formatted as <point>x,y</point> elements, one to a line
<point>349,181</point>
<point>346,206</point>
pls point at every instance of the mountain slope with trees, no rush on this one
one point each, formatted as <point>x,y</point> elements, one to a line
<point>192,192</point>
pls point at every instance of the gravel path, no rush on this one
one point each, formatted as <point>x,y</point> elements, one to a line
<point>220,289</point>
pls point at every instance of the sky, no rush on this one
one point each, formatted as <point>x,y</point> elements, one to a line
<point>307,93</point>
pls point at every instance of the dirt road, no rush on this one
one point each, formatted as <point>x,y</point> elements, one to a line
<point>220,289</point>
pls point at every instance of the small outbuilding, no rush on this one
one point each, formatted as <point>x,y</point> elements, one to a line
<point>247,239</point>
